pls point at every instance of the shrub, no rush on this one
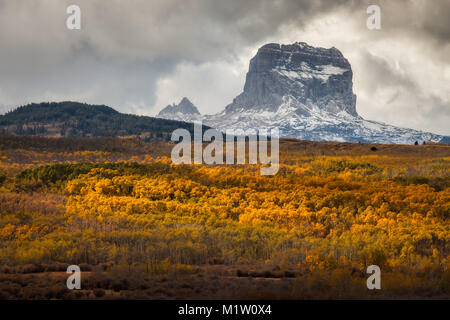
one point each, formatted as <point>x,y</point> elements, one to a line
<point>241,273</point>
<point>99,292</point>
<point>85,267</point>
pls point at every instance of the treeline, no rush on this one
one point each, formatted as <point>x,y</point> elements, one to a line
<point>54,177</point>
<point>75,119</point>
<point>71,144</point>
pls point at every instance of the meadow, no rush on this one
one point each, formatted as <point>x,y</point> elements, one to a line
<point>142,227</point>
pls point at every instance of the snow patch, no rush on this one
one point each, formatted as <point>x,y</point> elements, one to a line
<point>305,72</point>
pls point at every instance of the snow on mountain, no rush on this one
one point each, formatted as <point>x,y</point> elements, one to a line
<point>184,111</point>
<point>307,93</point>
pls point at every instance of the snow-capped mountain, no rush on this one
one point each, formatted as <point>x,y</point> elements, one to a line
<point>184,111</point>
<point>307,93</point>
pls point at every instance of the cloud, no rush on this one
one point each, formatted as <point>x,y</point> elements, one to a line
<point>123,50</point>
<point>401,73</point>
<point>139,56</point>
<point>218,82</point>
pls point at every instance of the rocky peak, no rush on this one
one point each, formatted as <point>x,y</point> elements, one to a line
<point>314,77</point>
<point>184,111</point>
<point>304,91</point>
<point>185,106</point>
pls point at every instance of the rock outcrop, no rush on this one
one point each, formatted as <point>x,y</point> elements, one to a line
<point>184,111</point>
<point>307,93</point>
<point>313,76</point>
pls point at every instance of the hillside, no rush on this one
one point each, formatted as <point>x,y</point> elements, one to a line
<point>74,119</point>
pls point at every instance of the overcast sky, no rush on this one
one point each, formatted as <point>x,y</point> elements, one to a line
<point>138,56</point>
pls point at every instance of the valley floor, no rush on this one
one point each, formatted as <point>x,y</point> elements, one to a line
<point>141,227</point>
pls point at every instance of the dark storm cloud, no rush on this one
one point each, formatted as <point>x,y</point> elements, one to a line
<point>125,47</point>
<point>426,22</point>
<point>428,18</point>
<point>377,68</point>
<point>139,55</point>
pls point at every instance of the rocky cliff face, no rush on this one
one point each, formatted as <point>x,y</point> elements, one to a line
<point>315,77</point>
<point>307,93</point>
<point>184,111</point>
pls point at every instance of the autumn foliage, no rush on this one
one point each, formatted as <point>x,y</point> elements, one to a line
<point>321,217</point>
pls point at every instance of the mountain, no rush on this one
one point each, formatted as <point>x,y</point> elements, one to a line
<point>306,92</point>
<point>74,119</point>
<point>184,111</point>
<point>314,77</point>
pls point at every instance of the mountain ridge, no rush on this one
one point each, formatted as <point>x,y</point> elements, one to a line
<point>183,111</point>
<point>306,92</point>
<point>74,119</point>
